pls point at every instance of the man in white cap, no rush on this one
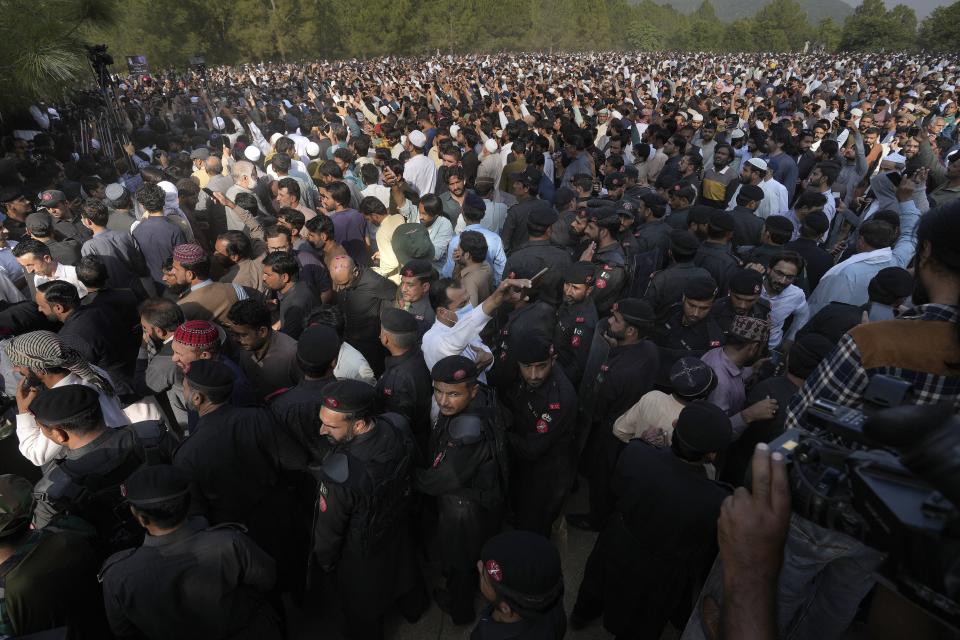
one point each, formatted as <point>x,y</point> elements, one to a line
<point>419,170</point>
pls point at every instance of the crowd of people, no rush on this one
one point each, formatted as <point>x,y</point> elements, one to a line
<point>303,332</point>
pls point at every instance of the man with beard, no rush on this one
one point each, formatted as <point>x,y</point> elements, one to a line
<point>362,529</point>
<point>751,174</point>
<point>454,194</point>
<point>541,438</point>
<point>362,295</point>
<point>607,256</point>
<point>626,374</point>
<point>271,362</point>
<point>744,346</point>
<point>576,321</point>
<point>234,253</point>
<point>786,299</point>
<point>666,287</point>
<point>464,476</point>
<point>743,300</point>
<point>313,267</point>
<point>685,328</point>
<point>156,373</point>
<point>472,215</point>
<point>414,292</point>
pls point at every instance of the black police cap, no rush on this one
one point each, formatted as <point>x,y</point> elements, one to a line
<point>398,321</point>
<point>349,396</point>
<point>580,273</point>
<point>454,370</point>
<point>703,427</point>
<point>779,224</point>
<point>154,484</point>
<point>703,288</point>
<point>700,214</point>
<point>746,282</point>
<point>64,404</point>
<point>209,375</point>
<point>817,221</point>
<point>721,220</point>
<point>524,569</point>
<point>318,346</point>
<point>635,311</point>
<point>683,242</point>
<point>542,214</point>
<point>417,268</point>
<point>564,196</point>
<point>529,347</point>
<point>653,199</point>
<point>751,192</point>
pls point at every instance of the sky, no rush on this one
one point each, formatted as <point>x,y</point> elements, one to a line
<point>922,7</point>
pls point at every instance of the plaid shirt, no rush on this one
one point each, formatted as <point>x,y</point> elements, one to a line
<point>842,378</point>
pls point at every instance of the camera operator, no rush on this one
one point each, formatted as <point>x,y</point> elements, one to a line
<point>922,346</point>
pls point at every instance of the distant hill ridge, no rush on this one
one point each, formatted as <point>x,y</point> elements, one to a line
<point>730,10</point>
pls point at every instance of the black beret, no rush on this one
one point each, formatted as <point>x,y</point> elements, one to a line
<point>751,192</point>
<point>524,266</point>
<point>683,242</point>
<point>700,214</point>
<point>626,212</point>
<point>703,427</point>
<point>524,569</point>
<point>721,220</point>
<point>349,396</point>
<point>318,346</point>
<point>615,180</point>
<point>454,370</point>
<point>692,378</point>
<point>155,483</point>
<point>209,375</point>
<point>580,273</point>
<point>817,221</point>
<point>542,213</point>
<point>702,288</point>
<point>653,198</point>
<point>530,347</point>
<point>635,310</point>
<point>779,224</point>
<point>601,210</point>
<point>746,282</point>
<point>398,321</point>
<point>892,283</point>
<point>62,404</point>
<point>418,268</point>
<point>529,176</point>
<point>564,196</point>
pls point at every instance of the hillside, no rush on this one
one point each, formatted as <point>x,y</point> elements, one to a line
<point>730,10</point>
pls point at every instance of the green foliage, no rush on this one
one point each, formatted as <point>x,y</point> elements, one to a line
<point>781,26</point>
<point>940,31</point>
<point>828,34</point>
<point>41,48</point>
<point>873,28</point>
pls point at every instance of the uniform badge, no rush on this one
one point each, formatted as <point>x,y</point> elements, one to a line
<point>575,341</point>
<point>439,459</point>
<point>493,570</point>
<point>601,284</point>
<point>714,343</point>
<point>542,426</point>
<point>580,320</point>
<point>554,406</point>
<point>546,417</point>
<point>387,392</point>
<point>323,504</point>
<point>323,489</point>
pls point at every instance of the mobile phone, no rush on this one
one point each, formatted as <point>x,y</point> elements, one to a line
<point>207,191</point>
<point>539,275</point>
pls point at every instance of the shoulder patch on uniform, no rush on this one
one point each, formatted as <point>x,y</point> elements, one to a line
<point>336,467</point>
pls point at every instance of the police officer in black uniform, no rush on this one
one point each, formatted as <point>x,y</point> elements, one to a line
<point>744,300</point>
<point>576,321</point>
<point>297,408</point>
<point>530,314</point>
<point>716,254</point>
<point>662,540</point>
<point>465,476</point>
<point>607,256</point>
<point>362,529</point>
<point>85,482</point>
<point>413,294</point>
<point>188,579</point>
<point>666,287</point>
<point>237,460</point>
<point>405,386</point>
<point>686,328</point>
<point>520,576</point>
<point>654,234</point>
<point>624,377</point>
<point>541,436</point>
<point>540,250</point>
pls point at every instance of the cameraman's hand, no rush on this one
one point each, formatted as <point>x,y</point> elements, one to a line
<point>752,528</point>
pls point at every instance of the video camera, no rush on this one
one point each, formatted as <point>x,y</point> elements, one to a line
<point>887,474</point>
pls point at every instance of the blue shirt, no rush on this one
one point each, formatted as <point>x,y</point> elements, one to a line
<point>9,263</point>
<point>496,256</point>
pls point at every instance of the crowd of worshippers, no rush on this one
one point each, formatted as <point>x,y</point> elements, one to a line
<point>354,341</point>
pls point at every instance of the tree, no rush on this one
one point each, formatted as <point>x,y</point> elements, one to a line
<point>940,31</point>
<point>41,46</point>
<point>781,26</point>
<point>643,36</point>
<point>873,28</point>
<point>828,34</point>
<point>705,32</point>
